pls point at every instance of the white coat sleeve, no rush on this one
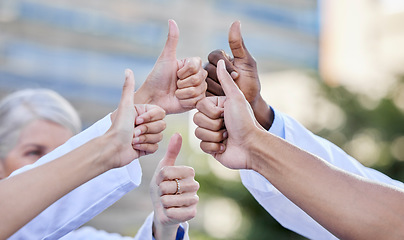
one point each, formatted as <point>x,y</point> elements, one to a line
<point>144,233</point>
<point>86,201</point>
<point>282,209</point>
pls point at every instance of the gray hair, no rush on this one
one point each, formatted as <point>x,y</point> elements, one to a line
<point>22,107</point>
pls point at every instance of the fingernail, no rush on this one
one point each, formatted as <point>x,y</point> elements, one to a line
<point>127,73</point>
<point>138,132</point>
<point>135,140</point>
<point>139,120</point>
<point>225,134</point>
<point>221,148</point>
<point>222,115</point>
<point>234,75</point>
<point>221,64</point>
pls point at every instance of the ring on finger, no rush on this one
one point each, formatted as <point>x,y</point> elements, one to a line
<point>178,187</point>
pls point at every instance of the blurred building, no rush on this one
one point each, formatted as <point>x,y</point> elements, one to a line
<point>81,48</point>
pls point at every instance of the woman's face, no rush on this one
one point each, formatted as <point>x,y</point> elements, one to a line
<point>36,139</point>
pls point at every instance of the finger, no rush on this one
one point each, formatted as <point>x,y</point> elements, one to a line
<point>209,94</point>
<point>191,67</point>
<point>169,187</point>
<point>229,86</point>
<point>191,103</point>
<point>211,69</point>
<point>127,90</point>
<point>217,55</point>
<point>148,138</point>
<point>149,113</point>
<point>212,147</point>
<point>179,201</point>
<point>236,42</point>
<point>150,128</point>
<point>203,121</point>
<point>209,107</point>
<point>181,214</point>
<point>210,136</point>
<point>125,107</point>
<point>193,80</point>
<point>175,172</point>
<point>191,92</point>
<point>147,148</point>
<point>170,47</point>
<point>214,88</point>
<point>174,147</point>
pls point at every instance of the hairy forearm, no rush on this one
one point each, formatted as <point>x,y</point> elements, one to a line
<point>346,205</point>
<point>27,194</point>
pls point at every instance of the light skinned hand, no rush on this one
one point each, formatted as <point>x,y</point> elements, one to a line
<point>175,85</point>
<point>171,208</point>
<point>243,69</point>
<point>239,122</point>
<point>128,141</point>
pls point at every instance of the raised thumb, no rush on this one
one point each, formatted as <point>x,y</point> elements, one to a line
<point>174,147</point>
<point>170,47</point>
<point>236,42</point>
<point>229,87</point>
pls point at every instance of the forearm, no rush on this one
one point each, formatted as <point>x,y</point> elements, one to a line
<point>263,113</point>
<point>346,205</point>
<point>31,192</point>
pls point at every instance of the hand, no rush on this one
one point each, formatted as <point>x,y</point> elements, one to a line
<point>243,69</point>
<point>130,142</point>
<point>172,207</point>
<point>229,145</point>
<point>175,85</point>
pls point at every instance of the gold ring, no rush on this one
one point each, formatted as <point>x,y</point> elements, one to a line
<point>178,186</point>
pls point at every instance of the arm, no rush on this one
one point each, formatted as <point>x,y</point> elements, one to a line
<point>89,199</point>
<point>347,205</point>
<point>285,212</point>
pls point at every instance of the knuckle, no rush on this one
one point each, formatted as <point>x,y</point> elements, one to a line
<point>193,66</point>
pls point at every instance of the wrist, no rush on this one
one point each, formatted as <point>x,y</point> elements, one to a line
<point>161,231</point>
<point>258,147</point>
<point>263,113</point>
<point>109,151</point>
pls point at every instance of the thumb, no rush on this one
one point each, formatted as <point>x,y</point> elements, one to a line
<point>236,42</point>
<point>128,88</point>
<point>174,147</point>
<point>229,86</point>
<point>170,47</point>
<point>127,98</point>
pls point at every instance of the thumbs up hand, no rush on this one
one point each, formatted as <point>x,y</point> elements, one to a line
<point>226,125</point>
<point>175,85</point>
<point>173,191</point>
<point>243,70</point>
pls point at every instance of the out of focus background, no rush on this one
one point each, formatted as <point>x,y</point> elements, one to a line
<point>337,66</point>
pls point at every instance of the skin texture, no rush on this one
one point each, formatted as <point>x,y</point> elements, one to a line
<point>348,206</point>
